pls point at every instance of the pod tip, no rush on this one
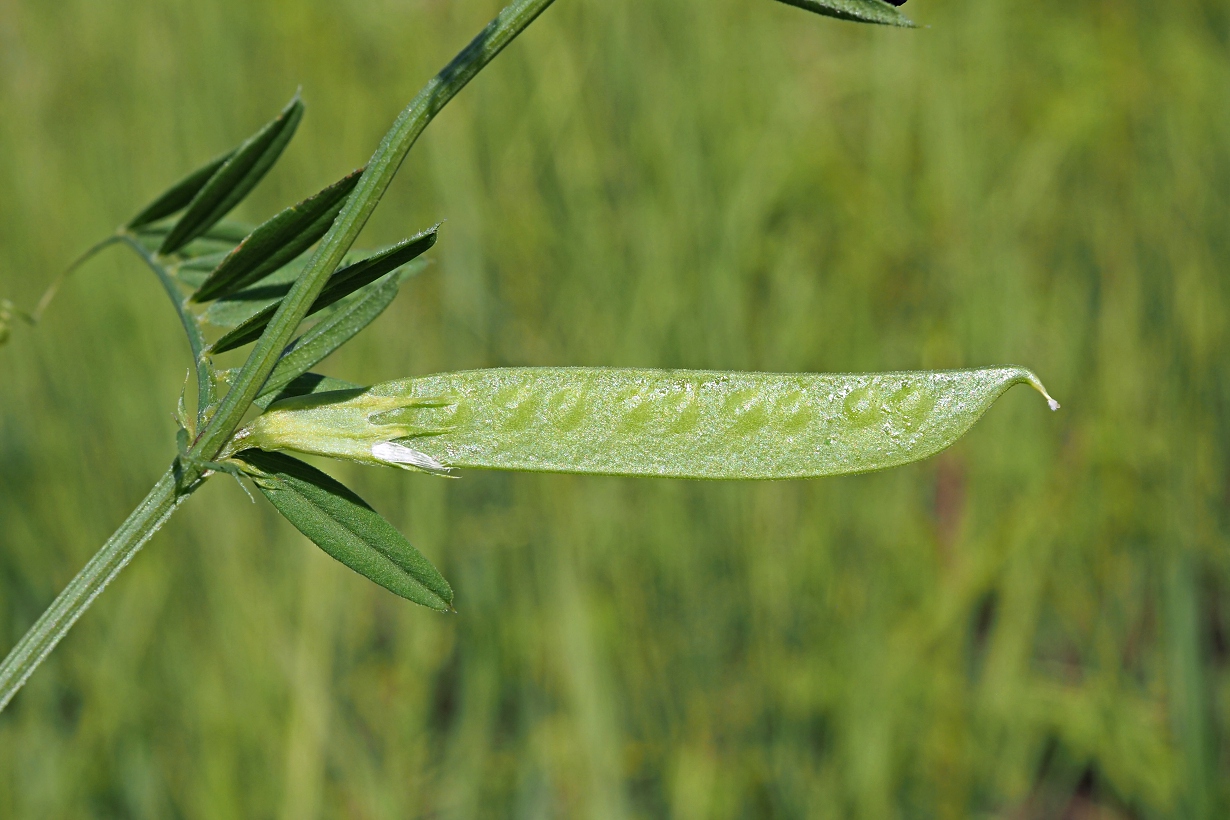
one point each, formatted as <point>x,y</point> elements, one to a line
<point>1036,384</point>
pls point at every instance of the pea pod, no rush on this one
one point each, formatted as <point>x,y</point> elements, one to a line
<point>680,423</point>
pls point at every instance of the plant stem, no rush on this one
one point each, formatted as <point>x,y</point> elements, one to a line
<point>83,589</point>
<point>359,206</point>
<point>184,477</point>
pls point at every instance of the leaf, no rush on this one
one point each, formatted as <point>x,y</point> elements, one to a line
<point>177,197</point>
<point>340,285</point>
<point>343,525</point>
<point>860,11</point>
<point>227,231</point>
<point>194,270</point>
<point>680,423</point>
<point>304,385</point>
<point>221,237</point>
<point>237,308</point>
<point>235,178</point>
<point>232,311</point>
<point>278,241</point>
<point>383,166</point>
<point>203,264</point>
<point>312,347</point>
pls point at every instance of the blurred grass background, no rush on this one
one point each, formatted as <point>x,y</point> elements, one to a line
<point>1034,624</point>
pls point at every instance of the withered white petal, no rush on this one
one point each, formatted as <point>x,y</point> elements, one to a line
<point>391,452</point>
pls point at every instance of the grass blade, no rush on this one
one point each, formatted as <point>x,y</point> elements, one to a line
<point>235,178</point>
<point>177,197</point>
<point>340,285</point>
<point>278,241</point>
<point>343,525</point>
<point>679,423</point>
<point>860,11</point>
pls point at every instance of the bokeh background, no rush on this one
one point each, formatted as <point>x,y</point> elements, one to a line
<point>1034,624</point>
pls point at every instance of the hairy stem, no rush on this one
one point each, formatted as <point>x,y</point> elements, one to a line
<point>83,589</point>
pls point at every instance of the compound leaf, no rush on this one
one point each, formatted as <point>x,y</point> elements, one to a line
<point>341,284</point>
<point>237,308</point>
<point>344,526</point>
<point>177,197</point>
<point>312,347</point>
<point>222,236</point>
<point>278,241</point>
<point>244,168</point>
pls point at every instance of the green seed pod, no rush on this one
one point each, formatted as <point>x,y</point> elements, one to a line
<point>681,423</point>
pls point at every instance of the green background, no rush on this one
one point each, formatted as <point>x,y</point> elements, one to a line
<point>1035,623</point>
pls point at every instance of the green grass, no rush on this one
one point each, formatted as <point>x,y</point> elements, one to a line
<point>1042,611</point>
